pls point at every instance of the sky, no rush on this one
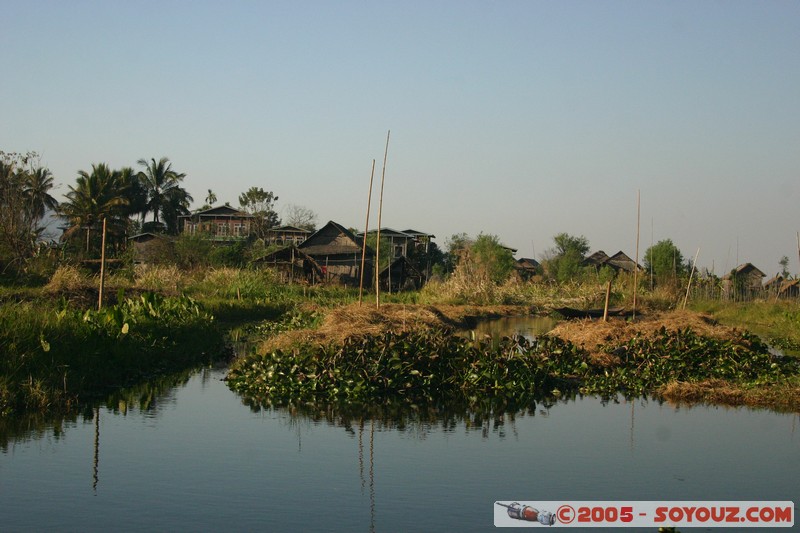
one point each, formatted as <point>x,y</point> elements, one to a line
<point>521,119</point>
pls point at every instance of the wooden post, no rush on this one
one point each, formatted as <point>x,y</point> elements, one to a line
<point>364,243</point>
<point>608,297</point>
<point>102,267</point>
<point>688,285</point>
<point>636,263</point>
<point>378,242</point>
<point>291,271</point>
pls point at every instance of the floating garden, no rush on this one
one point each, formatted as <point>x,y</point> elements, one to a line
<point>423,365</point>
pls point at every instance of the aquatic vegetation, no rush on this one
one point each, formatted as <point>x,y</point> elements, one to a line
<point>416,366</point>
<point>54,357</point>
<point>425,366</point>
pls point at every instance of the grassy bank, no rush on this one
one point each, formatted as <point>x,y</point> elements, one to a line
<point>56,356</point>
<point>408,353</point>
<point>776,322</point>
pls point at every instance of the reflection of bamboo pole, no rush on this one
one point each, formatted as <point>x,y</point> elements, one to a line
<point>96,463</point>
<point>364,243</point>
<point>372,476</point>
<point>378,242</point>
<point>102,268</point>
<point>688,285</point>
<point>636,263</point>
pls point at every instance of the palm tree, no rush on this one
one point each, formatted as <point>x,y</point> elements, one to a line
<point>160,182</point>
<point>177,204</point>
<point>211,198</point>
<point>37,191</point>
<point>101,194</point>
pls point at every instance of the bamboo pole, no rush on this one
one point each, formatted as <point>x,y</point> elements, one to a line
<point>102,268</point>
<point>608,297</point>
<point>378,242</point>
<point>364,243</point>
<point>691,274</point>
<point>636,263</point>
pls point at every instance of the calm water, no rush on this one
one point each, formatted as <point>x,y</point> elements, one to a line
<point>196,458</point>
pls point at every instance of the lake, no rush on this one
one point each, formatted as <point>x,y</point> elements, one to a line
<point>196,458</point>
<point>186,453</point>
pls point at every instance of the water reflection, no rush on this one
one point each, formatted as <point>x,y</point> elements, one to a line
<point>168,450</point>
<point>524,326</point>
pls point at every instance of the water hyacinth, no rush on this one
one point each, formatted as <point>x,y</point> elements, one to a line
<point>435,365</point>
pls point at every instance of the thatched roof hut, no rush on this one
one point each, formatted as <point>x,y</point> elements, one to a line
<point>338,252</point>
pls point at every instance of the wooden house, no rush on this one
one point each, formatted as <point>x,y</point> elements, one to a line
<point>292,265</point>
<point>789,289</point>
<point>223,223</point>
<point>619,262</point>
<point>400,275</point>
<point>527,267</point>
<point>743,282</point>
<point>285,235</point>
<point>338,252</point>
<point>773,285</point>
<point>404,243</point>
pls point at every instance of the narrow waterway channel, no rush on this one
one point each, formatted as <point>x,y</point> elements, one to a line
<point>197,459</point>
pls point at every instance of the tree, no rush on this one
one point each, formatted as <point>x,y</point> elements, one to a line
<point>37,185</point>
<point>165,196</point>
<point>566,244</point>
<point>565,260</point>
<point>457,245</point>
<point>492,258</point>
<point>96,195</point>
<point>211,198</point>
<point>301,217</point>
<point>784,263</point>
<point>259,203</point>
<point>664,260</point>
<point>24,198</point>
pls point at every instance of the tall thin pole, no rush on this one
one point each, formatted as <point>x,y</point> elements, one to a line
<point>798,245</point>
<point>364,244</point>
<point>102,268</point>
<point>636,263</point>
<point>691,274</point>
<point>378,243</point>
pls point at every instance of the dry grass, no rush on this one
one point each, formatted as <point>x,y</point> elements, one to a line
<point>160,278</point>
<point>68,278</point>
<point>356,320</point>
<point>781,396</point>
<point>592,334</point>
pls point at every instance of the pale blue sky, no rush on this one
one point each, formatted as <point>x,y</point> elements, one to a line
<point>517,118</point>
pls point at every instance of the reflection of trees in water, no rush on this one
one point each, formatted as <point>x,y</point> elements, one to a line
<point>148,397</point>
<point>489,416</point>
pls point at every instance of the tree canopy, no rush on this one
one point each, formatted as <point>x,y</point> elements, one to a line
<point>664,259</point>
<point>260,204</point>
<point>566,258</point>
<point>165,196</point>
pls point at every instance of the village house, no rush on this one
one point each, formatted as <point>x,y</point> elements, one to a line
<point>285,235</point>
<point>403,242</point>
<point>743,282</point>
<point>337,251</point>
<point>619,262</point>
<point>223,223</point>
<point>527,267</point>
